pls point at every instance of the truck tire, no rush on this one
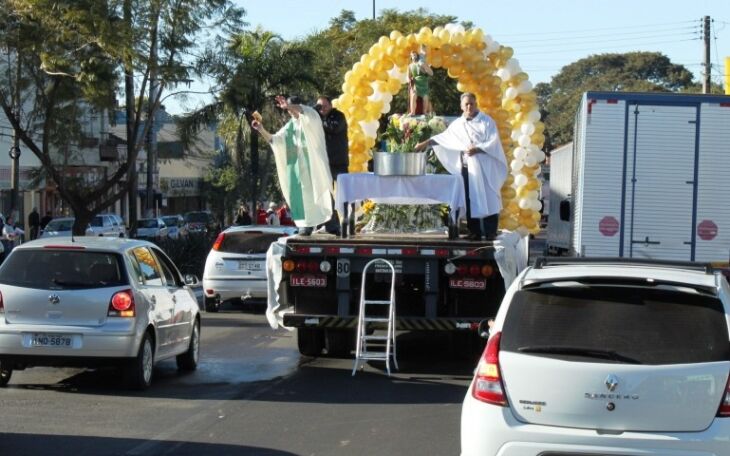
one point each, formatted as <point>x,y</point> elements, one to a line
<point>310,341</point>
<point>340,342</point>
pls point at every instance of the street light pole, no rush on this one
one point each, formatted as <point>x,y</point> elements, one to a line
<point>152,133</point>
<point>373,9</point>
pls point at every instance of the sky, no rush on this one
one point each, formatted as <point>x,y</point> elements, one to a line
<point>545,36</point>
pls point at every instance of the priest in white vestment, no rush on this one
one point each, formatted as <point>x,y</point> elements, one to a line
<point>471,147</point>
<point>301,164</point>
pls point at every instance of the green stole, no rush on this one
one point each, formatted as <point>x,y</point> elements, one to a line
<point>297,169</point>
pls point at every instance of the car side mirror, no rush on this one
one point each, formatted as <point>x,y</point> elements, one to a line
<point>191,279</point>
<point>565,210</point>
<point>485,326</point>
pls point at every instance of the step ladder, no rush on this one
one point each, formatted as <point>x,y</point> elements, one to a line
<point>376,346</point>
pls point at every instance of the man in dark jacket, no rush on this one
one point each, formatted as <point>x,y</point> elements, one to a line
<point>34,223</point>
<point>335,136</point>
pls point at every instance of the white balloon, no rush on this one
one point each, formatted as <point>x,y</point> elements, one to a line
<point>513,65</point>
<point>458,28</point>
<point>530,161</point>
<point>520,180</point>
<point>450,27</point>
<point>531,195</point>
<point>370,129</point>
<point>520,153</point>
<point>376,96</point>
<point>511,93</point>
<point>387,97</point>
<point>504,74</point>
<point>524,141</point>
<point>386,107</point>
<point>533,116</point>
<point>536,205</point>
<point>540,155</point>
<point>527,128</point>
<point>524,203</point>
<point>516,165</point>
<point>525,86</point>
<point>515,135</point>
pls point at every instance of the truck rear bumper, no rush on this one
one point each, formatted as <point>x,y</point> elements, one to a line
<point>402,323</point>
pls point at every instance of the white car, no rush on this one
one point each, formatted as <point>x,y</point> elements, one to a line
<point>605,357</point>
<point>153,229</point>
<point>236,266</point>
<point>108,225</point>
<point>96,301</point>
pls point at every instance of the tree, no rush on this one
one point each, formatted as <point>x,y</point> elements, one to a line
<point>342,44</point>
<point>73,53</point>
<point>629,72</point>
<point>253,68</point>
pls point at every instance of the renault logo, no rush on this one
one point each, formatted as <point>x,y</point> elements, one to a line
<point>611,382</point>
<point>53,298</point>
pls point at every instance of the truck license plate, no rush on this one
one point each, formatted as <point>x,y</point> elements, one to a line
<point>51,340</point>
<point>468,284</point>
<point>307,280</point>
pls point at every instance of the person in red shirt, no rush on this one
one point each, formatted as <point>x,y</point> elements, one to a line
<point>260,214</point>
<point>284,215</point>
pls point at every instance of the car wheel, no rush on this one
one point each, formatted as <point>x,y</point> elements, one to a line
<point>5,374</point>
<point>212,304</point>
<point>139,370</point>
<point>188,361</point>
<point>310,341</point>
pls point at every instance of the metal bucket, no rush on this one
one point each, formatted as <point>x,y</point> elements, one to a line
<point>399,164</point>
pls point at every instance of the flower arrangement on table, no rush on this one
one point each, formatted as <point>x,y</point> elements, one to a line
<point>403,132</point>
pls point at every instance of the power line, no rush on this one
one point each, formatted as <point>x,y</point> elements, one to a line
<point>674,31</point>
<point>644,26</point>
<point>620,39</point>
<point>557,51</point>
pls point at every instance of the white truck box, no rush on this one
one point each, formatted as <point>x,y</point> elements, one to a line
<point>561,171</point>
<point>650,176</point>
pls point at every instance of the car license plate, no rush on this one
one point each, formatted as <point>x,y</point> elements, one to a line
<point>304,280</point>
<point>250,265</point>
<point>468,284</point>
<point>51,340</point>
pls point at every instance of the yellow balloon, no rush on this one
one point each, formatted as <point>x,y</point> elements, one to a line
<point>508,193</point>
<point>395,34</point>
<point>444,35</point>
<point>384,41</point>
<point>510,224</point>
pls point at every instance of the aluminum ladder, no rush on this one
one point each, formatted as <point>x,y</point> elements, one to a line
<point>376,347</point>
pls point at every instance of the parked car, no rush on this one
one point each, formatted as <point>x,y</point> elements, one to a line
<point>201,222</point>
<point>101,225</point>
<point>152,229</point>
<point>175,226</point>
<point>236,265</point>
<point>94,301</point>
<point>596,357</point>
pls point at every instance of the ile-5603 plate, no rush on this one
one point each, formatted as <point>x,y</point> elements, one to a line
<point>308,280</point>
<point>468,284</point>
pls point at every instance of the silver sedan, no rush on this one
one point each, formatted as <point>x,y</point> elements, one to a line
<point>90,301</point>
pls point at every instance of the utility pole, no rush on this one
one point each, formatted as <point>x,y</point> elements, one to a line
<point>132,186</point>
<point>373,9</point>
<point>15,148</point>
<point>708,73</point>
<point>151,139</point>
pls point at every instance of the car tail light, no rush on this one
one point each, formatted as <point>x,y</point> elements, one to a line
<point>474,270</point>
<point>2,303</point>
<point>219,241</point>
<point>488,380</point>
<point>122,304</point>
<point>461,270</point>
<point>288,265</point>
<point>724,405</point>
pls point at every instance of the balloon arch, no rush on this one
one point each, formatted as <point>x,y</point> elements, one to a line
<point>481,66</point>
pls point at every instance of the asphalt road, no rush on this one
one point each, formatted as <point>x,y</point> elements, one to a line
<point>253,394</point>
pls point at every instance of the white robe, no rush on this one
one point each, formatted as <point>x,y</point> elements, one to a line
<point>316,180</point>
<point>487,171</point>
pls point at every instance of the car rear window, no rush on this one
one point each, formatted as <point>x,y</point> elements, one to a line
<point>170,221</point>
<point>147,223</point>
<point>60,225</point>
<point>646,325</point>
<point>197,217</point>
<point>97,221</point>
<point>62,269</point>
<point>248,242</point>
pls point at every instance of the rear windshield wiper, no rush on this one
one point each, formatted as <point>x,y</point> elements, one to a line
<point>578,351</point>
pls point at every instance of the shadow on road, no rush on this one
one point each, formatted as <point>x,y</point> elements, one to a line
<point>35,444</point>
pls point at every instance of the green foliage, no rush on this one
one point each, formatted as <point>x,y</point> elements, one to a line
<point>339,46</point>
<point>403,133</point>
<point>629,72</point>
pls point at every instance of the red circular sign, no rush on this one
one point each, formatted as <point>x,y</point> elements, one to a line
<point>707,230</point>
<point>608,226</point>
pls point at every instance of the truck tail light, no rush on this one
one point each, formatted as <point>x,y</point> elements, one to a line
<point>487,270</point>
<point>474,270</point>
<point>219,241</point>
<point>122,304</point>
<point>461,270</point>
<point>312,266</point>
<point>725,404</point>
<point>301,266</point>
<point>488,385</point>
<point>288,265</point>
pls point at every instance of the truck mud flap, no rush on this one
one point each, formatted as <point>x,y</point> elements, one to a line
<point>402,324</point>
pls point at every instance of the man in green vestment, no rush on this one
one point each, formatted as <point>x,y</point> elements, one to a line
<point>301,164</point>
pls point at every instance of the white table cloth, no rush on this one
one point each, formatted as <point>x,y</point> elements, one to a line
<point>426,189</point>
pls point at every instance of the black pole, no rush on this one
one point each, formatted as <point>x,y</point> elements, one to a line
<point>373,9</point>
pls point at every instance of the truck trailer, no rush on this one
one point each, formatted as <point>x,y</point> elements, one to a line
<point>647,178</point>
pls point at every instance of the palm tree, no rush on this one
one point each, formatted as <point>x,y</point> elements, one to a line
<point>251,70</point>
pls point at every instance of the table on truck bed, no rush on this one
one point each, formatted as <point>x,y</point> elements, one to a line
<point>425,189</point>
